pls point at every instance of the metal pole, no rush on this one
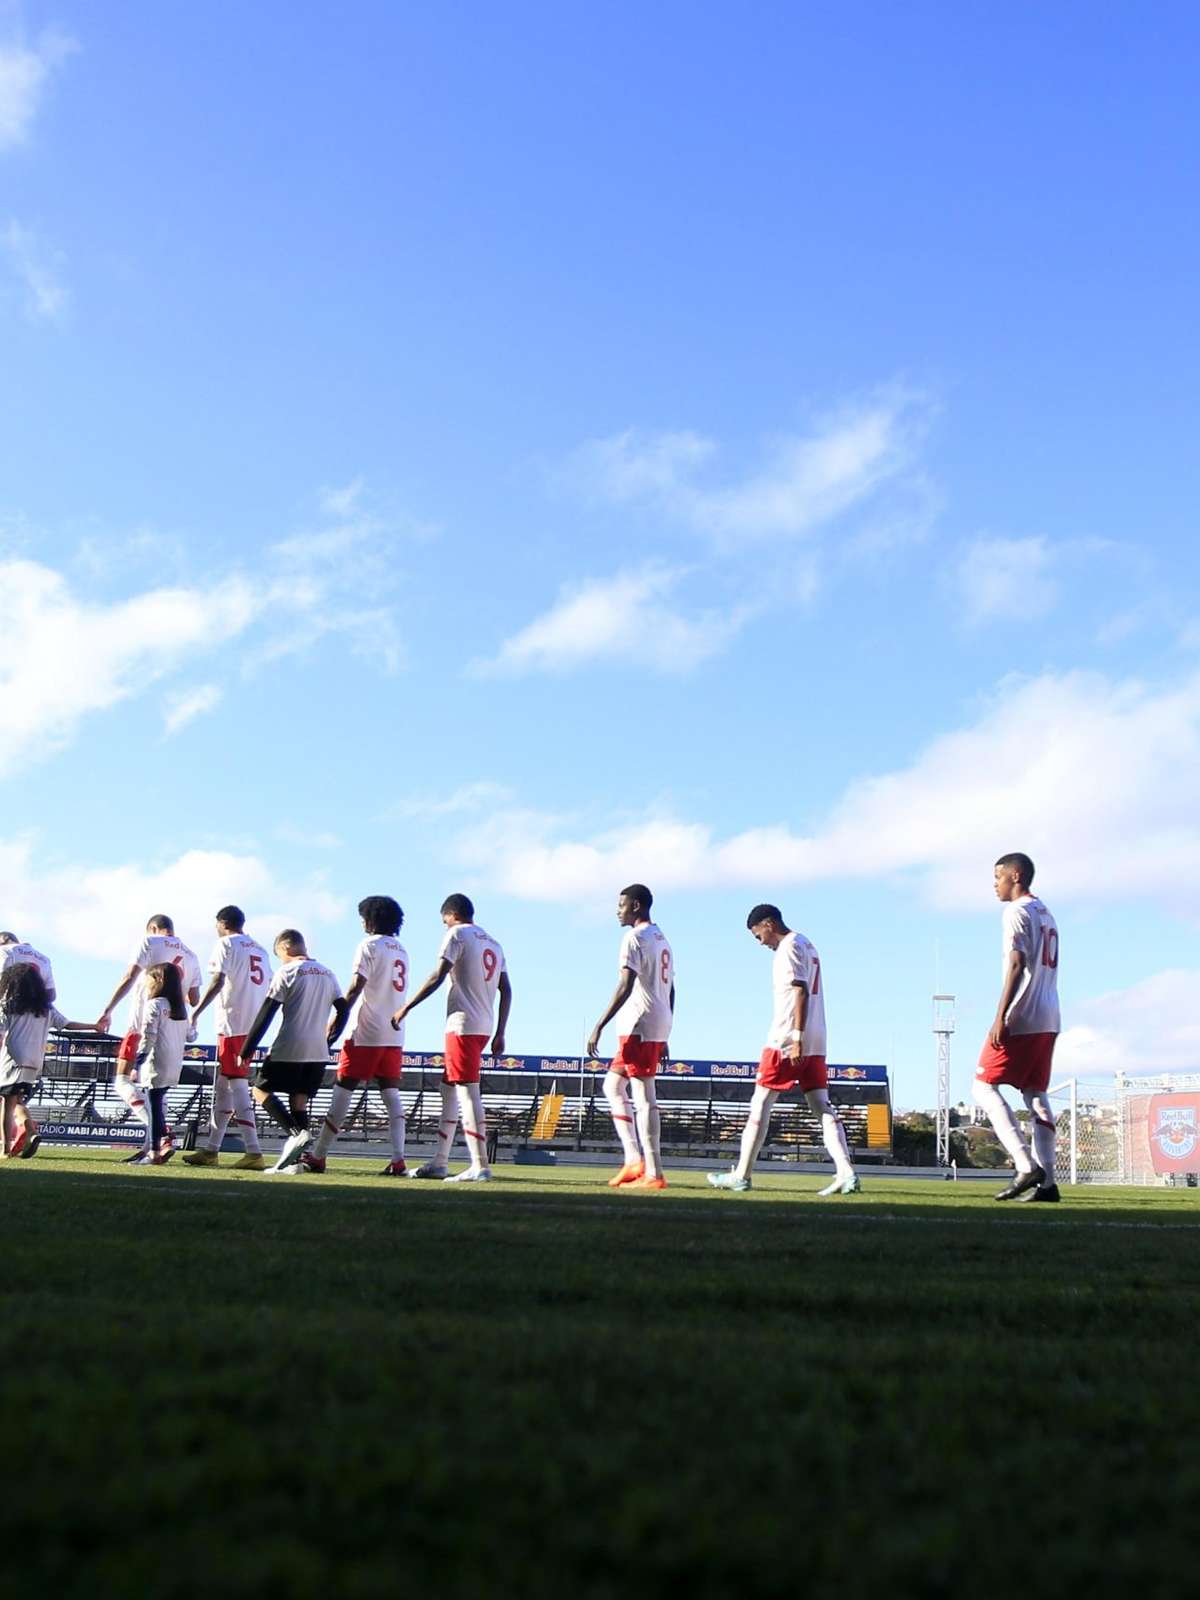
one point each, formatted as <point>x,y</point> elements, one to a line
<point>1074,1133</point>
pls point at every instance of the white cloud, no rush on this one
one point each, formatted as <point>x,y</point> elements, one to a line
<point>188,704</point>
<point>623,618</point>
<point>342,502</point>
<point>807,479</point>
<point>38,272</point>
<point>24,74</point>
<point>100,911</point>
<point>1004,580</point>
<point>468,797</point>
<point>1098,780</point>
<point>1152,1026</point>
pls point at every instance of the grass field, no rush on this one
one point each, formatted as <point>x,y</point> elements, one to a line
<point>341,1386</point>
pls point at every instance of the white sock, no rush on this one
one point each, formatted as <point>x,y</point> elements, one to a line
<point>832,1132</point>
<point>649,1125</point>
<point>1045,1138</point>
<point>754,1134</point>
<point>219,1114</point>
<point>133,1097</point>
<point>334,1119</point>
<point>470,1101</point>
<point>616,1092</point>
<point>243,1114</point>
<point>396,1126</point>
<point>448,1126</point>
<point>999,1114</point>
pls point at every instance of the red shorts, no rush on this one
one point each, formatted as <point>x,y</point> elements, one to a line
<point>229,1060</point>
<point>777,1071</point>
<point>362,1062</point>
<point>464,1057</point>
<point>128,1048</point>
<point>637,1058</point>
<point>1022,1061</point>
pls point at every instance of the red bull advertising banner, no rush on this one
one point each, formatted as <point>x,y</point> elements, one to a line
<point>1173,1132</point>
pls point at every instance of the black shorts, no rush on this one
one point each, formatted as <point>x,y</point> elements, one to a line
<point>291,1077</point>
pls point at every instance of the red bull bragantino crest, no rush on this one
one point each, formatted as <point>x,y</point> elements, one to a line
<point>1174,1128</point>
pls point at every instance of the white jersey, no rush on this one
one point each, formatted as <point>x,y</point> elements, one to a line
<point>158,949</point>
<point>647,1013</point>
<point>476,962</point>
<point>160,1057</point>
<point>796,961</point>
<point>247,970</point>
<point>382,962</point>
<point>23,1047</point>
<point>11,954</point>
<point>306,990</point>
<point>1028,927</point>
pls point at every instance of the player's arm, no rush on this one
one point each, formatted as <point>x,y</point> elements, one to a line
<point>620,994</point>
<point>260,1025</point>
<point>193,994</point>
<point>104,1020</point>
<point>341,1011</point>
<point>504,990</point>
<point>795,1044</point>
<point>1013,974</point>
<point>434,981</point>
<point>210,994</point>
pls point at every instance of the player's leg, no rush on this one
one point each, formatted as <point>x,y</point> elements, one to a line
<point>447,1128</point>
<point>1044,1131</point>
<point>754,1134</point>
<point>161,1145</point>
<point>244,1122</point>
<point>334,1119</point>
<point>999,1113</point>
<point>10,1121</point>
<point>649,1127</point>
<point>126,1087</point>
<point>474,1126</point>
<point>833,1136</point>
<point>393,1101</point>
<point>620,1106</point>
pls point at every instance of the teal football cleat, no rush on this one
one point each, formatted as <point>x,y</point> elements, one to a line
<point>849,1185</point>
<point>729,1181</point>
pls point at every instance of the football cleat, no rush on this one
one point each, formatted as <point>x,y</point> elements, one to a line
<point>629,1173</point>
<point>394,1169</point>
<point>309,1163</point>
<point>1044,1191</point>
<point>35,1139</point>
<point>249,1163</point>
<point>163,1154</point>
<point>201,1156</point>
<point>429,1170</point>
<point>20,1140</point>
<point>471,1175</point>
<point>730,1181</point>
<point>849,1185</point>
<point>648,1183</point>
<point>139,1158</point>
<point>1022,1181</point>
<point>292,1146</point>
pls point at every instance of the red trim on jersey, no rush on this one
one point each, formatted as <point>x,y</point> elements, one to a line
<point>128,1048</point>
<point>229,1060</point>
<point>464,1057</point>
<point>637,1058</point>
<point>1023,1061</point>
<point>780,1072</point>
<point>362,1062</point>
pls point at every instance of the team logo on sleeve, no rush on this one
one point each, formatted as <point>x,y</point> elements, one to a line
<point>1175,1131</point>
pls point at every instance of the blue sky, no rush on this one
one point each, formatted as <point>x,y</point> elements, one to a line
<point>521,450</point>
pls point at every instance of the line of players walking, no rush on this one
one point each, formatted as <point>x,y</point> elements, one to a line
<point>165,979</point>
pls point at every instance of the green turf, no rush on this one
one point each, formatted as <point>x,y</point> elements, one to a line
<point>223,1384</point>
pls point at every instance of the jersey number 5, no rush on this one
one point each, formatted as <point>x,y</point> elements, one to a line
<point>256,970</point>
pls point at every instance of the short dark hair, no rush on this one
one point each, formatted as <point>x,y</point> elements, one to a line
<point>8,938</point>
<point>381,914</point>
<point>458,905</point>
<point>639,894</point>
<point>1021,865</point>
<point>233,917</point>
<point>160,919</point>
<point>764,913</point>
<point>165,979</point>
<point>292,937</point>
<point>23,991</point>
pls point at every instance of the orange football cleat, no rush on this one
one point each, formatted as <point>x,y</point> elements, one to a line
<point>629,1173</point>
<point>649,1183</point>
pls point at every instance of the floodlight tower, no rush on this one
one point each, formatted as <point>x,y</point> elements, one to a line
<point>943,1027</point>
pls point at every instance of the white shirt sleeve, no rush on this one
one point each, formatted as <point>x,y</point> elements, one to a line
<point>451,947</point>
<point>1018,931</point>
<point>279,984</point>
<point>364,958</point>
<point>629,952</point>
<point>142,956</point>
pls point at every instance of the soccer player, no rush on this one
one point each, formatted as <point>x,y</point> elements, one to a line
<point>644,1006</point>
<point>475,965</point>
<point>306,992</point>
<point>374,1049</point>
<point>27,1014</point>
<point>239,972</point>
<point>13,949</point>
<point>159,945</point>
<point>165,1030</point>
<point>794,1057</point>
<point>1019,1047</point>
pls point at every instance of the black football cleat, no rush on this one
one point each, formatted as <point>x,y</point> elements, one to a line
<point>1022,1183</point>
<point>1044,1191</point>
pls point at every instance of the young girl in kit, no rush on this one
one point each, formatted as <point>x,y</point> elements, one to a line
<point>26,1017</point>
<point>160,1056</point>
